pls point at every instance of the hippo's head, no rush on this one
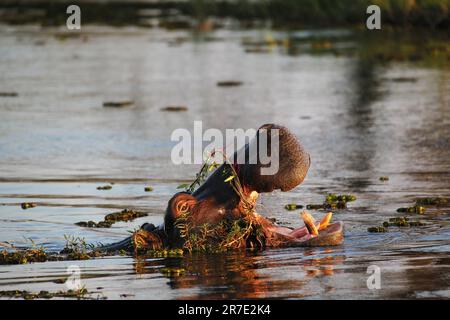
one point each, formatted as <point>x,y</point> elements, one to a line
<point>220,200</point>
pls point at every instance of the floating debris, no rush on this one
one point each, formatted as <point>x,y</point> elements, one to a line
<point>415,209</point>
<point>79,294</point>
<point>174,108</point>
<point>75,249</point>
<point>293,206</point>
<point>118,104</point>
<point>28,205</point>
<point>333,198</point>
<point>230,83</point>
<point>8,94</point>
<point>333,201</point>
<point>92,224</point>
<point>257,50</point>
<point>125,215</point>
<point>23,256</point>
<point>148,189</point>
<point>432,201</point>
<point>404,79</point>
<point>416,223</point>
<point>400,222</point>
<point>110,219</point>
<point>315,206</point>
<point>377,229</point>
<point>397,222</point>
<point>107,187</point>
<point>384,178</point>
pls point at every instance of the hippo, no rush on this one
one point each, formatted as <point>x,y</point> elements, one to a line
<point>220,213</point>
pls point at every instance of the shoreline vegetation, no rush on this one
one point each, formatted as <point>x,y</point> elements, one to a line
<point>210,14</point>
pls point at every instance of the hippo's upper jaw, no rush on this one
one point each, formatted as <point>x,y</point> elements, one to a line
<point>292,160</point>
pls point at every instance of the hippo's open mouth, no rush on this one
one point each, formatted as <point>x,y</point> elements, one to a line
<point>220,213</point>
<point>329,235</point>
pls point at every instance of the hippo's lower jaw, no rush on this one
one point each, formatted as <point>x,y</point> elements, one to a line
<point>332,235</point>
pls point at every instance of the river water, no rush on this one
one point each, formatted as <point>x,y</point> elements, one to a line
<point>362,108</point>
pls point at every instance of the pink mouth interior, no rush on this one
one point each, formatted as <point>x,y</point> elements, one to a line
<point>302,234</point>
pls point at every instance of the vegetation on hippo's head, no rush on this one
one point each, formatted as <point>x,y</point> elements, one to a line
<point>227,234</point>
<point>201,176</point>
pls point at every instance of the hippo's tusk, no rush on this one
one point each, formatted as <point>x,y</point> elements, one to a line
<point>310,224</point>
<point>325,221</point>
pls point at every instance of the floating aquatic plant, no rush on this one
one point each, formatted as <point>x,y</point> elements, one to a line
<point>431,201</point>
<point>414,209</point>
<point>77,294</point>
<point>333,201</point>
<point>28,205</point>
<point>110,219</point>
<point>293,206</point>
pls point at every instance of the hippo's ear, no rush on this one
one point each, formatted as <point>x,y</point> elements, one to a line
<point>181,203</point>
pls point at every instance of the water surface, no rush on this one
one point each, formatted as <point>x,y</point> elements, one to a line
<point>362,108</point>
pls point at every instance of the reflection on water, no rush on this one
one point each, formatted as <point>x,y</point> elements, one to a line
<point>364,108</point>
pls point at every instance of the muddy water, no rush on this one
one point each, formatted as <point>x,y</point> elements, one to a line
<point>359,117</point>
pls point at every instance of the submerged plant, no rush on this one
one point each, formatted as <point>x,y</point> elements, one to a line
<point>76,248</point>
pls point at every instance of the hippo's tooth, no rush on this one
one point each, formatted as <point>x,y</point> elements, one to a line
<point>253,195</point>
<point>310,223</point>
<point>325,221</point>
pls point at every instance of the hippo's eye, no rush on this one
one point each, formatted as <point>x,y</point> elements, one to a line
<point>182,207</point>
